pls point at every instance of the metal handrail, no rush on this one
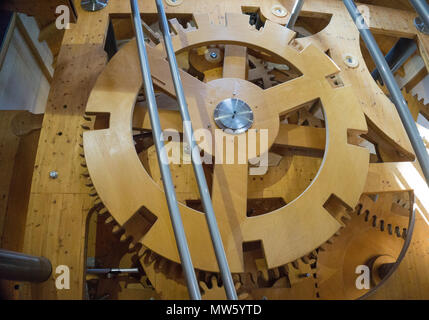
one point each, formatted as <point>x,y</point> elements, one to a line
<point>422,8</point>
<point>170,194</point>
<point>195,154</point>
<point>295,14</point>
<point>392,85</point>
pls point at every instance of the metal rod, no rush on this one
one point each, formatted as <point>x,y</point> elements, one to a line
<point>112,270</point>
<point>395,92</point>
<point>195,154</point>
<point>401,256</point>
<point>23,267</point>
<point>170,194</point>
<point>422,8</point>
<point>295,14</point>
<point>398,55</point>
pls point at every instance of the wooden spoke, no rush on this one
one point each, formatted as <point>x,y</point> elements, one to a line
<point>235,62</point>
<point>290,95</point>
<point>161,76</point>
<point>229,197</point>
<point>301,137</point>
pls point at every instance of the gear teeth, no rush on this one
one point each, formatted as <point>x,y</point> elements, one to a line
<point>109,220</point>
<point>176,26</point>
<point>117,229</point>
<point>104,213</point>
<point>93,193</point>
<point>142,251</point>
<point>323,247</point>
<point>97,201</point>
<point>379,223</point>
<point>125,238</point>
<point>236,20</point>
<point>132,246</point>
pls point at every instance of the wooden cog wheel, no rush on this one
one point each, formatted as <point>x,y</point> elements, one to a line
<point>374,236</point>
<point>286,234</point>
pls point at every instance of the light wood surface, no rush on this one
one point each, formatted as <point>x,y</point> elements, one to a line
<point>65,202</point>
<point>116,90</point>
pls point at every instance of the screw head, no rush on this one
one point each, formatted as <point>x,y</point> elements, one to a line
<point>420,25</point>
<point>187,149</point>
<point>53,174</point>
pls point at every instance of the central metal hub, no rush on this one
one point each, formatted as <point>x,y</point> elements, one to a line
<point>233,114</point>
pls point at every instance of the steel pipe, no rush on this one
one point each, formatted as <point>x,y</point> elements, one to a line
<point>195,154</point>
<point>295,14</point>
<point>422,8</point>
<point>23,267</point>
<point>112,270</point>
<point>170,194</point>
<point>394,266</point>
<point>392,85</point>
<point>398,55</point>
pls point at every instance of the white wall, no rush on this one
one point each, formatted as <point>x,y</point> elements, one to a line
<point>22,83</point>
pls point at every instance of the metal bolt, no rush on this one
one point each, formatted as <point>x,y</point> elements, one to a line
<point>305,275</point>
<point>420,25</point>
<point>53,174</point>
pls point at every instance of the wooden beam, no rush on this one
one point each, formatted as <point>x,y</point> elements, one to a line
<point>58,208</point>
<point>301,137</point>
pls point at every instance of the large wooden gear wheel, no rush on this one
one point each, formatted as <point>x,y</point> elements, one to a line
<point>126,188</point>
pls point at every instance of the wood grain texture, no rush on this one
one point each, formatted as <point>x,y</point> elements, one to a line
<point>56,221</point>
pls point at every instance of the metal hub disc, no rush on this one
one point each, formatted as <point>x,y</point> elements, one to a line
<point>93,5</point>
<point>233,114</point>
